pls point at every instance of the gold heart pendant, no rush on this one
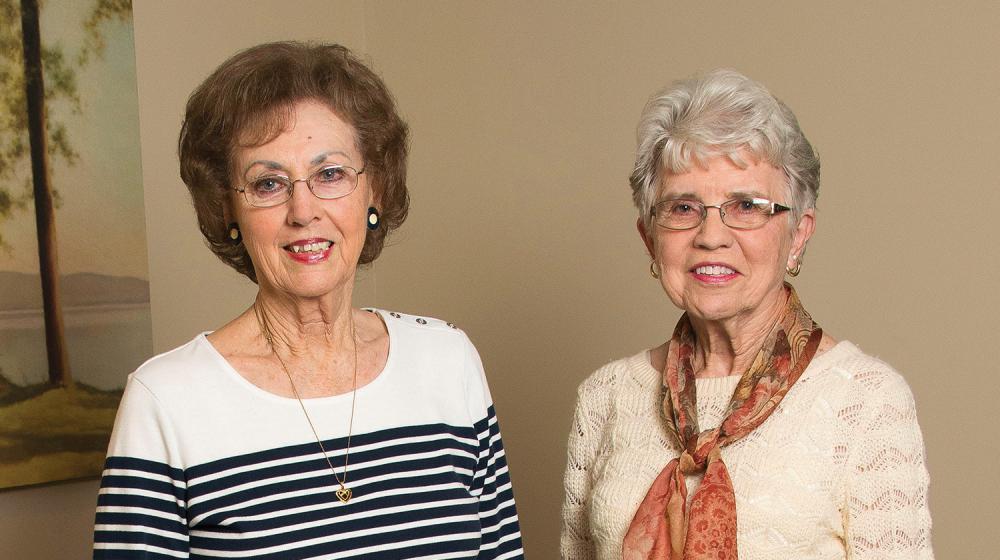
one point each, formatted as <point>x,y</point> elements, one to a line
<point>344,494</point>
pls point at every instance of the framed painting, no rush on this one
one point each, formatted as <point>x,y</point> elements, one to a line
<point>74,290</point>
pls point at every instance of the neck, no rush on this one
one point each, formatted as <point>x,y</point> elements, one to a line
<point>313,339</point>
<point>728,347</point>
<point>298,325</point>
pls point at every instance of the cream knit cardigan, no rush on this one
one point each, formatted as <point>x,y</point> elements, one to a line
<point>837,471</point>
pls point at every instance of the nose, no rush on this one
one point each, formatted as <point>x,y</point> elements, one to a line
<point>303,206</point>
<point>713,233</point>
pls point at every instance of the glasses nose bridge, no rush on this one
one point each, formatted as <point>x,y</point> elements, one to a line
<point>291,186</point>
<point>704,213</point>
<point>291,190</point>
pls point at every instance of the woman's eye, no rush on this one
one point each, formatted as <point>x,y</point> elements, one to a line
<point>331,174</point>
<point>682,208</point>
<point>268,185</point>
<point>748,206</point>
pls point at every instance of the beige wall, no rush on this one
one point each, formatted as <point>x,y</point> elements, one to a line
<point>522,231</point>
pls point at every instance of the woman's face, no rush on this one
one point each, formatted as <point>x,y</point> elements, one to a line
<point>715,272</point>
<point>306,247</point>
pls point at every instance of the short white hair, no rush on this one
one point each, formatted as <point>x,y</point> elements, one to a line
<point>721,113</point>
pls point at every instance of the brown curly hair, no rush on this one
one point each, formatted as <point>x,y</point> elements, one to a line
<point>248,101</point>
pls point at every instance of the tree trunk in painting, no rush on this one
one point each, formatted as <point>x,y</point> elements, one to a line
<point>55,339</point>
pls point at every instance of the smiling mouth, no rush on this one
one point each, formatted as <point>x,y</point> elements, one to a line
<point>714,270</point>
<point>315,247</point>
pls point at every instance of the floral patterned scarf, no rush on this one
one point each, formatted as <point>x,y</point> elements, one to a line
<point>665,527</point>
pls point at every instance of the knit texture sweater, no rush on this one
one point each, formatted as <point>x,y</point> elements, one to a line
<point>837,471</point>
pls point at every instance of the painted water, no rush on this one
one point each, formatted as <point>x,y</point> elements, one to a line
<point>104,342</point>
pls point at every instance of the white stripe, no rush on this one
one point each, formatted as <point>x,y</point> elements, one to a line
<point>142,511</point>
<point>496,510</point>
<point>141,547</point>
<point>318,523</point>
<point>126,491</point>
<point>144,530</point>
<point>501,540</point>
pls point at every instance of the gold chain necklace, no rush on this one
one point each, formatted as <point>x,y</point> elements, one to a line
<point>344,493</point>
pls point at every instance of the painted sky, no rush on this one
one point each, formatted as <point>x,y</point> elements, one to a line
<point>101,223</point>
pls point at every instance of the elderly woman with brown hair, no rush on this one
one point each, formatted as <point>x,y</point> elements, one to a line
<point>304,427</point>
<point>750,432</point>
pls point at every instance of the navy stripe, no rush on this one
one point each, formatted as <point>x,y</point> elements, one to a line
<point>319,475</point>
<point>113,554</point>
<point>144,465</point>
<point>384,540</point>
<point>357,440</point>
<point>439,446</point>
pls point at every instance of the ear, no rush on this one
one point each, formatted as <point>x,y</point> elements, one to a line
<point>647,239</point>
<point>803,231</point>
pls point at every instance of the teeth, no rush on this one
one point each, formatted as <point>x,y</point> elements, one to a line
<point>714,270</point>
<point>311,247</point>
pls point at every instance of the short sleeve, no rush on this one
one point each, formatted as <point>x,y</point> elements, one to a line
<point>500,528</point>
<point>141,507</point>
<point>887,515</point>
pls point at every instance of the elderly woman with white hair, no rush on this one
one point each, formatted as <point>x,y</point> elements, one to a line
<point>750,432</point>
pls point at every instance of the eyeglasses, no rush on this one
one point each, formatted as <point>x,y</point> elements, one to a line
<point>332,181</point>
<point>738,213</point>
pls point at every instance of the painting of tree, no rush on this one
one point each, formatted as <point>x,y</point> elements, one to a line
<point>68,168</point>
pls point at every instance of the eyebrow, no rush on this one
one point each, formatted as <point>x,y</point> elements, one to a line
<point>744,193</point>
<point>275,166</point>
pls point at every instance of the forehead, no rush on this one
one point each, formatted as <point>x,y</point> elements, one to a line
<point>718,179</point>
<point>312,133</point>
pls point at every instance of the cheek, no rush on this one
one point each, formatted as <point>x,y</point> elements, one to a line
<point>672,257</point>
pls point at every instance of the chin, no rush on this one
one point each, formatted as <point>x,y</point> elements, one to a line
<point>714,309</point>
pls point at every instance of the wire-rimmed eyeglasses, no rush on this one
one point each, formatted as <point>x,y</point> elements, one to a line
<point>327,183</point>
<point>737,213</point>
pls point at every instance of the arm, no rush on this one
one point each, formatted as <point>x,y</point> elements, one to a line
<point>592,410</point>
<point>500,530</point>
<point>886,515</point>
<point>141,512</point>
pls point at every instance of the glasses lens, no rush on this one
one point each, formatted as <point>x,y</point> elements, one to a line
<point>269,190</point>
<point>679,214</point>
<point>334,181</point>
<point>746,213</point>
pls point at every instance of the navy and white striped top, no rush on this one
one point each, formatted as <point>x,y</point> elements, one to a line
<point>204,464</point>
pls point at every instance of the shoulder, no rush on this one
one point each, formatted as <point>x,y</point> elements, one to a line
<point>868,385</point>
<point>180,369</point>
<point>865,372</point>
<point>422,326</point>
<point>425,339</point>
<point>632,374</point>
<point>437,353</point>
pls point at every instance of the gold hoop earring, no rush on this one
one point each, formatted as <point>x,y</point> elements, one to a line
<point>652,269</point>
<point>793,272</point>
